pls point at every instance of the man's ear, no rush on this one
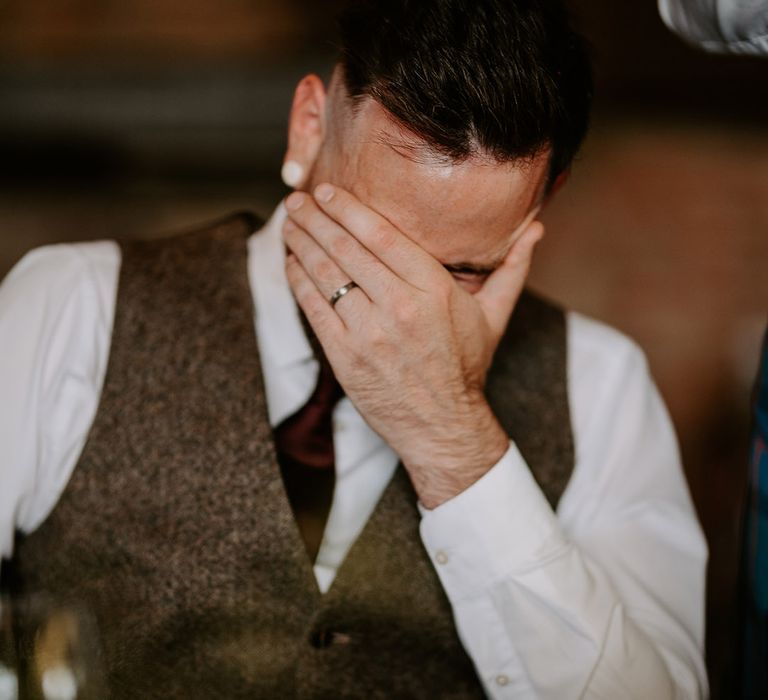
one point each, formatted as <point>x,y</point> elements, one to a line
<point>306,130</point>
<point>557,185</point>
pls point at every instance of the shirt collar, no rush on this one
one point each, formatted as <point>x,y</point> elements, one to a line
<point>281,335</point>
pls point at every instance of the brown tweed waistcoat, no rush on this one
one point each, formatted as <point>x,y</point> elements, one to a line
<point>175,528</point>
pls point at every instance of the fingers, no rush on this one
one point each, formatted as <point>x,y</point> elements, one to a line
<point>400,254</point>
<point>341,247</point>
<point>502,289</point>
<point>322,271</point>
<point>338,239</point>
<point>326,323</point>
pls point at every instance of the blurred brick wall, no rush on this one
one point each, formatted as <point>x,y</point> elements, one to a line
<point>663,232</point>
<point>127,28</point>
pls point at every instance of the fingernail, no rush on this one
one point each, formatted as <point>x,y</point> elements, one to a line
<point>294,201</point>
<point>324,192</point>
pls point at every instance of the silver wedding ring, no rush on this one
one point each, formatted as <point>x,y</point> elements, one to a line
<point>341,291</point>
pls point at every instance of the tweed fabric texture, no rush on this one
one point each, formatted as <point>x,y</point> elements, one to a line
<point>527,388</point>
<point>175,528</point>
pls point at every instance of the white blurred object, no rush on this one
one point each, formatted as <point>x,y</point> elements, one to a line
<point>9,684</point>
<point>292,173</point>
<point>719,26</point>
<point>59,683</point>
<point>49,650</point>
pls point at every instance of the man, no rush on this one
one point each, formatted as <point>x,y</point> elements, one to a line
<point>443,569</point>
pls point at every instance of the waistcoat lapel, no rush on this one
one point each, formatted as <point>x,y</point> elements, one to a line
<point>527,388</point>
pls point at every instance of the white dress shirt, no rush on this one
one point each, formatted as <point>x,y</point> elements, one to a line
<point>720,26</point>
<point>604,599</point>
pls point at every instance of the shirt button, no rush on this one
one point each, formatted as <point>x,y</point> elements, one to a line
<point>502,680</point>
<point>441,557</point>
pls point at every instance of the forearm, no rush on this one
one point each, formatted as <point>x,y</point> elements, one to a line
<point>459,454</point>
<point>537,615</point>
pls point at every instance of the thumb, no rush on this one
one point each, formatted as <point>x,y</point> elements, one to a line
<point>503,288</point>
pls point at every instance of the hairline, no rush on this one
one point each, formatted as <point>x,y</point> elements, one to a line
<point>417,149</point>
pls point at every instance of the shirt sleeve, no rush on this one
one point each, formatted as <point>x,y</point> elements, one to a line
<point>604,599</point>
<point>56,311</point>
<point>720,26</point>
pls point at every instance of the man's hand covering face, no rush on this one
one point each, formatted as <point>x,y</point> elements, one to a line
<point>410,346</point>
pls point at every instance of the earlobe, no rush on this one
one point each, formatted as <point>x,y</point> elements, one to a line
<point>306,130</point>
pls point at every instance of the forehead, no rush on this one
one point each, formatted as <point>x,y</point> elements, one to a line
<point>458,211</point>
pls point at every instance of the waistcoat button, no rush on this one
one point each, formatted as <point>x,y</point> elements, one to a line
<point>320,639</point>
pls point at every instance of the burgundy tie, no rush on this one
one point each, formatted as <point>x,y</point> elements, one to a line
<point>304,443</point>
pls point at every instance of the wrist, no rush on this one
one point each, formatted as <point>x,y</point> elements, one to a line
<point>456,456</point>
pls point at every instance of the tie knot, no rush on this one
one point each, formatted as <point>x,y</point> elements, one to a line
<point>307,435</point>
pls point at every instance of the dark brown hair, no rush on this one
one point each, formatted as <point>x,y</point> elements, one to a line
<point>503,77</point>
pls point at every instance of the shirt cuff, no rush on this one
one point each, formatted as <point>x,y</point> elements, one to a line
<point>500,526</point>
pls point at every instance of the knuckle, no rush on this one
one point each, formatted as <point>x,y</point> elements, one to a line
<point>384,235</point>
<point>340,247</point>
<point>312,305</point>
<point>406,312</point>
<point>304,298</point>
<point>344,206</point>
<point>340,207</point>
<point>391,288</point>
<point>325,269</point>
<point>376,337</point>
<point>314,218</point>
<point>301,288</point>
